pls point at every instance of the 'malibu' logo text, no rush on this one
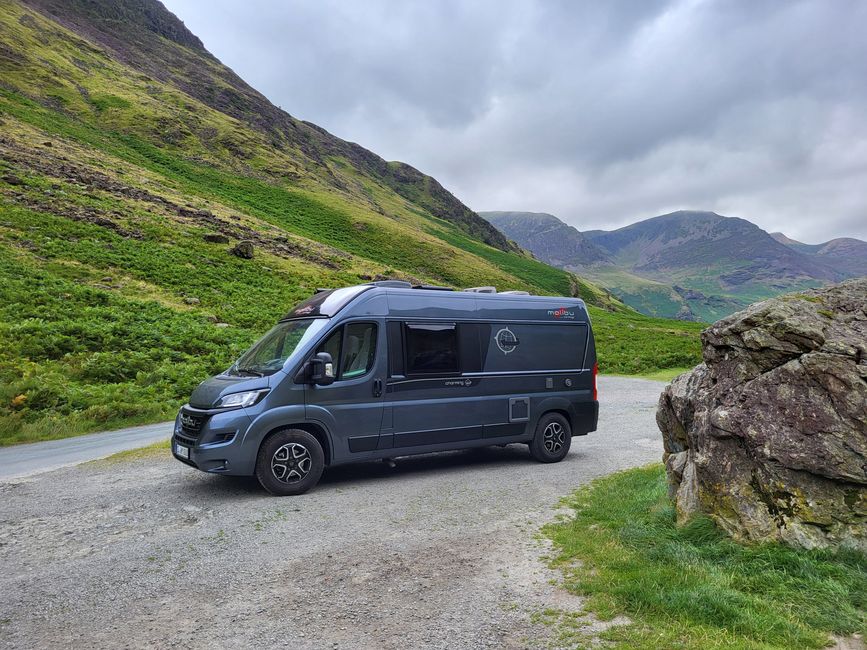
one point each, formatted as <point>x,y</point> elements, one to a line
<point>561,313</point>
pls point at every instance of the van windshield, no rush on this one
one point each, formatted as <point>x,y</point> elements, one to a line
<point>269,353</point>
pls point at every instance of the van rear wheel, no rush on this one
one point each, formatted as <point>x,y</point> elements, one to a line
<point>290,462</point>
<point>552,440</point>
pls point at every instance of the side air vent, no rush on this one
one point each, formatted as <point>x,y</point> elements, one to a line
<point>481,290</point>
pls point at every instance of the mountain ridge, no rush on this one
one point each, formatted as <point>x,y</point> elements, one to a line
<point>694,264</point>
<point>847,254</point>
<point>556,242</point>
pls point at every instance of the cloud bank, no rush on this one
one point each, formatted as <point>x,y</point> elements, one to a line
<point>600,113</point>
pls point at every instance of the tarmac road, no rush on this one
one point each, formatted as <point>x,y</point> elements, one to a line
<point>25,460</point>
<point>439,552</point>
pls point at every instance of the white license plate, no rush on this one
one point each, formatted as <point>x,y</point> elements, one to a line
<point>183,452</point>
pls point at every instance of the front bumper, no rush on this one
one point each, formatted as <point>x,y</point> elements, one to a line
<point>214,438</point>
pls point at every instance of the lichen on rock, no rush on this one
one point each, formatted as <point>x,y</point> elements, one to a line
<point>769,435</point>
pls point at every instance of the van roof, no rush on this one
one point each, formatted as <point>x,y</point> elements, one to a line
<point>411,298</point>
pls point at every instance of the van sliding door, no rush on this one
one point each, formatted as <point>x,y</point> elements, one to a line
<point>429,402</point>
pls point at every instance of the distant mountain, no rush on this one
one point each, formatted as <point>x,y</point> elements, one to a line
<point>845,254</point>
<point>727,251</point>
<point>686,264</point>
<point>553,241</point>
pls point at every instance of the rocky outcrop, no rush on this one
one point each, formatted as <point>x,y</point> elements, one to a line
<point>769,435</point>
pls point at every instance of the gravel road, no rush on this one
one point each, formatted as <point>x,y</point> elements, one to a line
<point>439,552</point>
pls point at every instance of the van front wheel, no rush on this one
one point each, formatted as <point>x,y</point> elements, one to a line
<point>552,440</point>
<point>290,462</point>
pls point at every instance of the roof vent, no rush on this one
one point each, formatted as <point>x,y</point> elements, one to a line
<point>481,290</point>
<point>515,293</point>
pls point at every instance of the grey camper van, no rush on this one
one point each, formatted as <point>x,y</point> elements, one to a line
<point>388,369</point>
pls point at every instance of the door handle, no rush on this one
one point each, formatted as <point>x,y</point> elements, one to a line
<point>377,387</point>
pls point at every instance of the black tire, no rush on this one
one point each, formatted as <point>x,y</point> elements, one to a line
<point>552,440</point>
<point>303,466</point>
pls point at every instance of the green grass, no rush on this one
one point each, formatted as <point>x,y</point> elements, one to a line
<point>692,587</point>
<point>632,344</point>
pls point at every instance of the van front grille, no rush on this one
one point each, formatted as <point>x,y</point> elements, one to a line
<point>191,427</point>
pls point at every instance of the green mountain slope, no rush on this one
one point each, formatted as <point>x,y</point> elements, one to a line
<point>132,161</point>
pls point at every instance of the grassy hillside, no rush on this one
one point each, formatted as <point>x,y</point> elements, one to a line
<point>667,301</point>
<point>117,293</point>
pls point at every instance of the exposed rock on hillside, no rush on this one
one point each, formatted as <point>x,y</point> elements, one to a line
<point>243,249</point>
<point>769,435</point>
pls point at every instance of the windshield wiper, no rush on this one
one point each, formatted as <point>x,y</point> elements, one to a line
<point>249,372</point>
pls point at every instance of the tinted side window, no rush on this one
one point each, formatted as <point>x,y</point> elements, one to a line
<point>431,348</point>
<point>359,350</point>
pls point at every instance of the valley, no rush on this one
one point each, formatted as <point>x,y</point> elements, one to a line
<point>689,265</point>
<point>133,162</point>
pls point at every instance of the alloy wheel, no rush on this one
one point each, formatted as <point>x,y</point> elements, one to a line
<point>291,463</point>
<point>554,437</point>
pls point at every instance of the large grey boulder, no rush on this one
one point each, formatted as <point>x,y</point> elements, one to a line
<point>769,435</point>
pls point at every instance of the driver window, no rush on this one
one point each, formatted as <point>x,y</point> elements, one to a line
<point>359,350</point>
<point>332,345</point>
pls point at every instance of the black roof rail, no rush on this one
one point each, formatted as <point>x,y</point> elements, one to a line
<point>396,284</point>
<point>431,287</point>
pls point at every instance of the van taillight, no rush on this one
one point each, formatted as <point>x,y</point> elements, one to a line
<point>595,390</point>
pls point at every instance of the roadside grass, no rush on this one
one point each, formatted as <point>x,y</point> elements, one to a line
<point>140,453</point>
<point>666,374</point>
<point>693,587</point>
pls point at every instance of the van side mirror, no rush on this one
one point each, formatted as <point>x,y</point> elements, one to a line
<point>322,369</point>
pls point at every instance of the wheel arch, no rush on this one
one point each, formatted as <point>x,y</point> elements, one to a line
<point>316,430</point>
<point>559,411</point>
<point>557,405</point>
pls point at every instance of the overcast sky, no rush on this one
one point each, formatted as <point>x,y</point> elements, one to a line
<point>601,113</point>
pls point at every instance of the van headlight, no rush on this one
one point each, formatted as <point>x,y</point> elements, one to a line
<point>243,400</point>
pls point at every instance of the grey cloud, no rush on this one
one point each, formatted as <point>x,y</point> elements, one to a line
<point>601,113</point>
